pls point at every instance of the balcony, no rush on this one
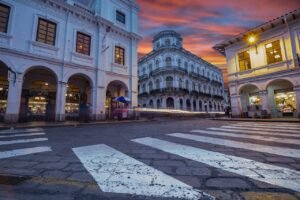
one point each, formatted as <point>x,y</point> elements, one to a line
<point>216,96</point>
<point>168,69</point>
<point>144,94</point>
<point>142,77</point>
<point>218,83</point>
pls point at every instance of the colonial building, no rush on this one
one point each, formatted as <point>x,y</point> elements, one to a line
<point>263,68</point>
<point>56,54</point>
<point>172,77</point>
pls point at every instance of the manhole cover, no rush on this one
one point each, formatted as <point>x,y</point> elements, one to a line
<point>12,180</point>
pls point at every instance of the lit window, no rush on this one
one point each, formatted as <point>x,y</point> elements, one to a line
<point>83,43</point>
<point>4,17</point>
<point>244,61</point>
<point>273,52</point>
<point>120,17</point>
<point>46,32</point>
<point>119,55</point>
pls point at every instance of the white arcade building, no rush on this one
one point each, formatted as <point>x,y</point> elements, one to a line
<point>56,54</point>
<point>174,78</point>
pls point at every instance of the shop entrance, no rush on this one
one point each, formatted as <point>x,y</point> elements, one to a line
<point>115,109</point>
<point>250,101</point>
<point>78,98</point>
<point>38,98</point>
<point>282,99</point>
<point>4,85</point>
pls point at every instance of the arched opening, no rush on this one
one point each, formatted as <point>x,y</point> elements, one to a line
<point>210,106</point>
<point>168,62</point>
<point>150,86</point>
<point>181,104</point>
<point>215,106</point>
<point>38,100</point>
<point>78,98</point>
<point>158,103</point>
<point>251,101</point>
<point>4,85</point>
<point>205,106</point>
<point>180,83</point>
<point>170,103</point>
<point>151,103</point>
<point>157,84</point>
<point>188,104</point>
<point>194,105</point>
<point>200,105</point>
<point>115,106</point>
<point>282,98</point>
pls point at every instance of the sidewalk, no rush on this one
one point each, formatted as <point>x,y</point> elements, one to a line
<point>42,124</point>
<point>288,120</point>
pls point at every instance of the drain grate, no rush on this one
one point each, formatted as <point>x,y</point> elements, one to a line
<point>12,180</point>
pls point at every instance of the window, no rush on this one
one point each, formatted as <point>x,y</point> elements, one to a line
<point>168,62</point>
<point>169,82</point>
<point>244,61</point>
<point>179,62</point>
<point>4,17</point>
<point>157,83</point>
<point>168,42</point>
<point>186,65</point>
<point>83,43</point>
<point>150,86</point>
<point>46,32</point>
<point>180,83</point>
<point>119,55</point>
<point>187,85</point>
<point>157,63</point>
<point>273,52</point>
<point>150,67</point>
<point>120,17</point>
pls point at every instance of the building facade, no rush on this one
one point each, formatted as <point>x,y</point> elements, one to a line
<point>56,55</point>
<point>173,78</point>
<point>263,68</point>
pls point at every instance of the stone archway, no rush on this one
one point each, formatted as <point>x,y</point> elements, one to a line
<point>4,86</point>
<point>78,98</point>
<point>282,101</point>
<point>251,101</point>
<point>38,99</point>
<point>116,109</point>
<point>170,103</point>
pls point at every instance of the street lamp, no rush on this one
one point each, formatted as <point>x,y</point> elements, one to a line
<point>252,40</point>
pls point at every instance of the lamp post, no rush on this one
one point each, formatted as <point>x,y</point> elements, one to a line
<point>252,40</point>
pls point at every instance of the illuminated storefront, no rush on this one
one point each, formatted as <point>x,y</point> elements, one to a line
<point>285,101</point>
<point>72,101</point>
<point>3,95</point>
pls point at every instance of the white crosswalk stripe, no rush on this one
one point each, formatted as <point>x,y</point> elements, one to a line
<point>266,126</point>
<point>267,173</point>
<point>10,146</point>
<point>262,129</point>
<point>271,124</point>
<point>118,173</point>
<point>295,153</point>
<point>254,132</point>
<point>262,138</point>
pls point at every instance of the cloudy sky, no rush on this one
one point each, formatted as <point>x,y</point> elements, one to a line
<point>204,23</point>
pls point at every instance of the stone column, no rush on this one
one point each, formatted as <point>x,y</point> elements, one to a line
<point>99,104</point>
<point>163,103</point>
<point>297,91</point>
<point>60,103</point>
<point>13,98</point>
<point>264,100</point>
<point>236,105</point>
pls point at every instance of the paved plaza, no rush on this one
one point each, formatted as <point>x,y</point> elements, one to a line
<point>163,159</point>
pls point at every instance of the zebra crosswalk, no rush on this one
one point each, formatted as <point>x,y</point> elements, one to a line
<point>9,139</point>
<point>117,172</point>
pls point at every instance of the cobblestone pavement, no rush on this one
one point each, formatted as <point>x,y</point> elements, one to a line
<point>171,159</point>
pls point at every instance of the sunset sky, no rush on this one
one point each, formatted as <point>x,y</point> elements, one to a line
<point>203,23</point>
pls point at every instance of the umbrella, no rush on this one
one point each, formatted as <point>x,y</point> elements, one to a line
<point>122,99</point>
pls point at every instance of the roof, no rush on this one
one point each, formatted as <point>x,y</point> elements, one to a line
<point>288,17</point>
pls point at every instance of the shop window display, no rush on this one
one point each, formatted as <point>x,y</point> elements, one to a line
<point>72,100</point>
<point>3,94</point>
<point>254,102</point>
<point>285,101</point>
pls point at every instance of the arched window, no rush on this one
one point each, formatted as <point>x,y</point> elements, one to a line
<point>157,84</point>
<point>168,62</point>
<point>198,70</point>
<point>194,86</point>
<point>192,68</point>
<point>179,62</point>
<point>168,42</point>
<point>144,88</point>
<point>170,103</point>
<point>150,68</point>
<point>187,85</point>
<point>158,104</point>
<point>157,63</point>
<point>144,71</point>
<point>186,66</point>
<point>150,86</point>
<point>180,83</point>
<point>169,82</point>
